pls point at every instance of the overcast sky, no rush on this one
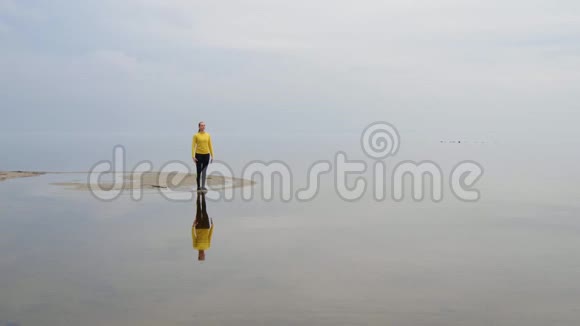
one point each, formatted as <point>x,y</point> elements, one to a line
<point>483,68</point>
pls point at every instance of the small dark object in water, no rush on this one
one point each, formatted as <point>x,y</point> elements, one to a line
<point>157,186</point>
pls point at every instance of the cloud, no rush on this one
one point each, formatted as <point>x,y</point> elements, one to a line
<point>114,58</point>
<point>327,58</point>
<point>396,44</point>
<point>4,28</point>
<point>19,10</point>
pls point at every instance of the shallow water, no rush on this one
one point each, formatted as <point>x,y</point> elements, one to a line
<point>512,258</point>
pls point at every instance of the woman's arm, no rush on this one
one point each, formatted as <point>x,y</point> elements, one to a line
<point>193,147</point>
<point>210,147</point>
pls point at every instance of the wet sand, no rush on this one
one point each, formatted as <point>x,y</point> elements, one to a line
<point>5,175</point>
<point>151,180</point>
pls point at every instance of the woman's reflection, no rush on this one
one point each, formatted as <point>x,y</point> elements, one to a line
<point>202,228</point>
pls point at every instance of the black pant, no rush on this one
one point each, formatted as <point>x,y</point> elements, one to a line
<point>201,166</point>
<point>201,216</point>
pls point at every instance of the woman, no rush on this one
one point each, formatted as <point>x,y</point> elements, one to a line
<point>201,150</point>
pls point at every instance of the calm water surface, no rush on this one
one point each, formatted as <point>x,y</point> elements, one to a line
<point>512,258</point>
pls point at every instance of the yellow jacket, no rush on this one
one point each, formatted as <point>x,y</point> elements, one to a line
<point>201,144</point>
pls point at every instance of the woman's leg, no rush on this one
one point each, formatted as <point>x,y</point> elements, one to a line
<point>198,211</point>
<point>204,169</point>
<point>199,168</point>
<point>204,219</point>
<point>203,206</point>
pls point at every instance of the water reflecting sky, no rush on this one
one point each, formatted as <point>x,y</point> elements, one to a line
<point>510,259</point>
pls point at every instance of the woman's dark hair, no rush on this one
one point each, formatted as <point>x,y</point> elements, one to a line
<point>198,130</point>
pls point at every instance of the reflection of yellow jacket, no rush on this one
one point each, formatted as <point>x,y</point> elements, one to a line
<point>201,238</point>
